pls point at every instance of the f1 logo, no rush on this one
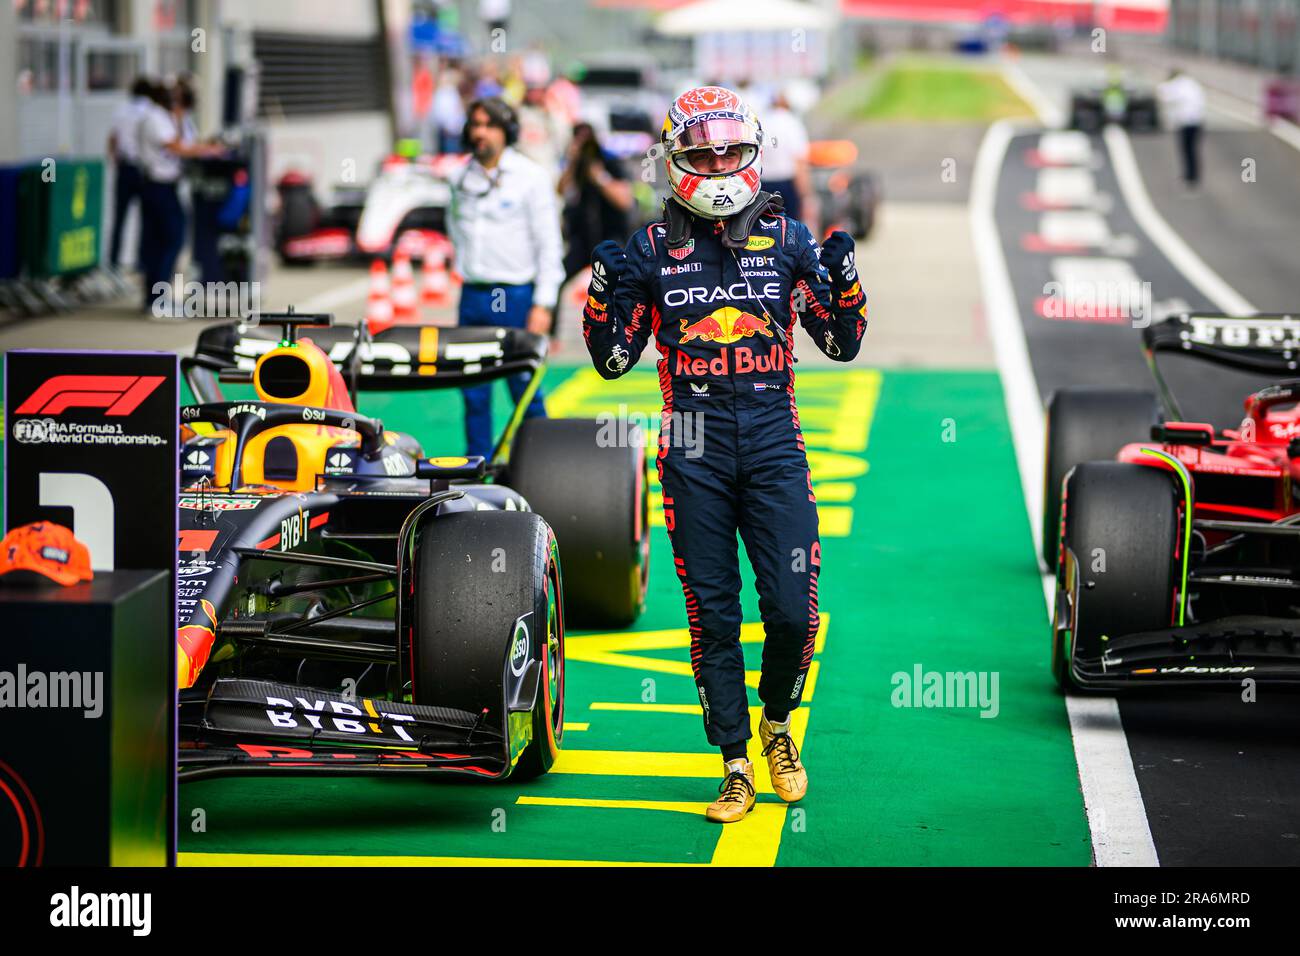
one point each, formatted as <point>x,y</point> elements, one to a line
<point>116,394</point>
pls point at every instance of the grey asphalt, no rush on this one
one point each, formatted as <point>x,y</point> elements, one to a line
<point>1245,230</point>
<point>1218,776</point>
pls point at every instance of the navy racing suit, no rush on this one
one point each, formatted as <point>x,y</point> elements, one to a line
<point>731,455</point>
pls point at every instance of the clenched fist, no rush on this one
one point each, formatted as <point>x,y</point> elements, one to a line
<point>837,258</point>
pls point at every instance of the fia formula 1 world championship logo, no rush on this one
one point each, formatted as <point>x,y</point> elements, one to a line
<point>115,394</point>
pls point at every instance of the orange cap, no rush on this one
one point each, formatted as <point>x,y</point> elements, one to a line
<point>46,548</point>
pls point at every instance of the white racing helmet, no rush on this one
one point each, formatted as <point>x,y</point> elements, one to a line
<point>716,118</point>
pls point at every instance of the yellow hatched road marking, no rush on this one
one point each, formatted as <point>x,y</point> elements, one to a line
<point>646,763</point>
<point>836,419</point>
<point>612,650</point>
<point>693,709</point>
<point>751,842</point>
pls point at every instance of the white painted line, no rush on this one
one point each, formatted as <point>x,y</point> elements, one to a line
<point>1024,407</point>
<point>1117,819</point>
<point>1286,131</point>
<point>1074,227</point>
<point>1069,146</point>
<point>1176,250</point>
<point>1097,271</point>
<point>1048,112</point>
<point>1215,103</point>
<point>1067,186</point>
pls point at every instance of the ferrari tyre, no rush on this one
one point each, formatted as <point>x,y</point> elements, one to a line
<point>1121,533</point>
<point>1087,424</point>
<point>485,580</point>
<point>591,489</point>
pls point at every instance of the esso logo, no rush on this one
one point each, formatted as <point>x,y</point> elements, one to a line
<point>519,650</point>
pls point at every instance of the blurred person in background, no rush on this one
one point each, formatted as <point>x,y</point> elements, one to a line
<point>505,228</point>
<point>124,154</point>
<point>597,199</point>
<point>541,136</point>
<point>720,283</point>
<point>162,147</point>
<point>447,114</point>
<point>785,161</point>
<point>184,103</point>
<point>1184,103</point>
<point>487,82</point>
<point>565,99</point>
<point>495,14</point>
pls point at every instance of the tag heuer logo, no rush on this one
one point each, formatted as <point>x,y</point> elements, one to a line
<point>684,251</point>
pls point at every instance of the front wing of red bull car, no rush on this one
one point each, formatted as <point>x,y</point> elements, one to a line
<point>347,604</point>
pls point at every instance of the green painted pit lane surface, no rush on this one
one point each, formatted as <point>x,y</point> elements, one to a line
<point>927,561</point>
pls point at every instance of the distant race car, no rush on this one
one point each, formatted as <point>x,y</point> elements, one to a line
<point>848,195</point>
<point>348,604</point>
<point>1176,546</point>
<point>1133,108</point>
<point>404,207</point>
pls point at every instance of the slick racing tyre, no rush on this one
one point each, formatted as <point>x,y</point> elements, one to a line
<point>299,215</point>
<point>485,581</point>
<point>591,488</point>
<point>1121,533</point>
<point>1088,424</point>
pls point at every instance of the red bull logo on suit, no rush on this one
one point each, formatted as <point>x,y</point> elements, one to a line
<point>724,326</point>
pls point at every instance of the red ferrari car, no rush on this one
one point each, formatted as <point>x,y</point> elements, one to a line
<point>1176,544</point>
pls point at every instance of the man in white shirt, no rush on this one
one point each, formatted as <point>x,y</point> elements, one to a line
<point>1184,102</point>
<point>505,228</point>
<point>785,160</point>
<point>124,153</point>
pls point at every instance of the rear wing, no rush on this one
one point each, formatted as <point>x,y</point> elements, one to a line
<point>403,357</point>
<point>1258,343</point>
<point>1266,344</point>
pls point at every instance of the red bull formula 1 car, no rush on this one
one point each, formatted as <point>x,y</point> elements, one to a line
<point>1176,544</point>
<point>347,603</point>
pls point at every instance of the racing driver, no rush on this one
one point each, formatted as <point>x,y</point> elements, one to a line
<point>719,283</point>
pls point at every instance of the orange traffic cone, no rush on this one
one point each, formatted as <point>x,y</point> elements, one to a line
<point>379,307</point>
<point>435,289</point>
<point>404,300</point>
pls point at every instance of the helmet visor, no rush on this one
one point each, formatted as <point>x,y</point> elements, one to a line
<point>716,130</point>
<point>715,160</point>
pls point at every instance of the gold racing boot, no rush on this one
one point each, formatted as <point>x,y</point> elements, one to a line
<point>735,795</point>
<point>789,779</point>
